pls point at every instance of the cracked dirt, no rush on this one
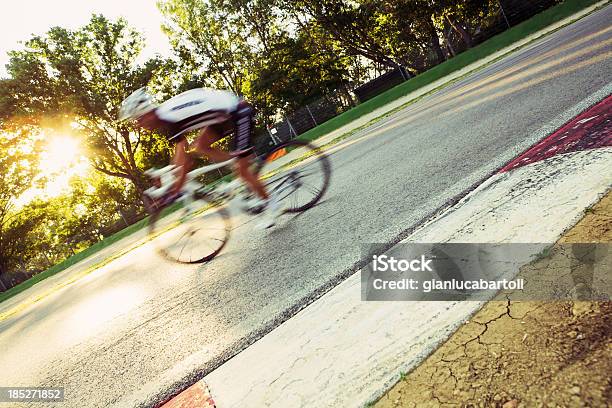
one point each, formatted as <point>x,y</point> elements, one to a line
<point>523,354</point>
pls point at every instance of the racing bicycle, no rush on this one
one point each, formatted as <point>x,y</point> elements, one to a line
<point>198,225</point>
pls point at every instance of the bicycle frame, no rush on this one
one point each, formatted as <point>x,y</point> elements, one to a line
<point>232,192</point>
<point>199,230</point>
<point>228,191</point>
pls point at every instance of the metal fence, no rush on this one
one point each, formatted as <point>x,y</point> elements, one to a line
<point>508,14</point>
<point>381,84</point>
<point>304,119</point>
<point>511,13</point>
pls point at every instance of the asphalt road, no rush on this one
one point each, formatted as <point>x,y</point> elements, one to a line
<point>141,325</point>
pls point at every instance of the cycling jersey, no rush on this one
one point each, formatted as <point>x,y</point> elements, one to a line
<point>225,112</point>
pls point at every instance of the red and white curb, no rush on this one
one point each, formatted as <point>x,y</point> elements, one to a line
<point>340,351</point>
<point>589,130</point>
<point>197,395</point>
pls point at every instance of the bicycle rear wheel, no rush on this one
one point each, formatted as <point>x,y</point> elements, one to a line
<point>297,173</point>
<point>186,235</point>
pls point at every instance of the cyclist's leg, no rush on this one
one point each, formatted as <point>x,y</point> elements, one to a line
<point>244,171</point>
<point>183,161</point>
<point>203,144</point>
<point>243,119</point>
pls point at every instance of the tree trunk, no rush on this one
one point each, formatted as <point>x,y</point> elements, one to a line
<point>350,102</point>
<point>140,189</point>
<point>3,286</point>
<point>449,44</point>
<point>465,36</point>
<point>435,43</point>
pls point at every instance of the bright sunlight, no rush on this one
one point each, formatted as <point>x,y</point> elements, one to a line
<point>61,153</point>
<point>61,161</point>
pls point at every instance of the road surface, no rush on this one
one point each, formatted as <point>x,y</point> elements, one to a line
<point>141,323</point>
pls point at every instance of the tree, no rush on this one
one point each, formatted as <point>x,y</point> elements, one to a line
<point>351,24</point>
<point>79,78</point>
<point>408,27</point>
<point>464,18</point>
<point>259,19</point>
<point>77,219</point>
<point>207,43</point>
<point>19,245</point>
<point>37,234</point>
<point>246,46</point>
<point>296,72</point>
<point>18,164</point>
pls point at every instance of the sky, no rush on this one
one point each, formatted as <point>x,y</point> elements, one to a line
<point>22,18</point>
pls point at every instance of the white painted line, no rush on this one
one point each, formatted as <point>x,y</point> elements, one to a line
<point>341,351</point>
<point>585,120</point>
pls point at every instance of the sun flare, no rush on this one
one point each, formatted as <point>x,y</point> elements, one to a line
<point>62,160</point>
<point>61,153</point>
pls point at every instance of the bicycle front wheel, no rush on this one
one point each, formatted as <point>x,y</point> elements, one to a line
<point>193,234</point>
<point>297,173</point>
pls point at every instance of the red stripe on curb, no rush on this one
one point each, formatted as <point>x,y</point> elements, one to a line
<point>589,130</point>
<point>196,396</point>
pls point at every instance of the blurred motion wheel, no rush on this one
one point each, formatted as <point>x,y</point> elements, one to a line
<point>189,236</point>
<point>298,173</point>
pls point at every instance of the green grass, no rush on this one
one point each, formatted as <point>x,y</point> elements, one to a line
<point>464,59</point>
<point>65,264</point>
<point>73,259</point>
<point>486,48</point>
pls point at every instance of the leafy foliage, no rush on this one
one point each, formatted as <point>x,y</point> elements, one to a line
<point>73,81</point>
<point>81,77</point>
<point>296,72</point>
<point>17,166</point>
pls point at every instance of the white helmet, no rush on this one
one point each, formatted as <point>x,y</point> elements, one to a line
<point>136,105</point>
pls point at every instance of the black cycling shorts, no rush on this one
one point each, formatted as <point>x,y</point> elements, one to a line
<point>240,124</point>
<point>243,120</point>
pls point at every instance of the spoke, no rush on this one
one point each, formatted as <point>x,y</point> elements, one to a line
<point>181,253</point>
<point>287,194</point>
<point>214,247</point>
<point>281,184</point>
<point>310,173</point>
<point>314,190</point>
<point>179,240</point>
<point>211,236</point>
<point>270,182</point>
<point>306,174</point>
<point>276,189</point>
<point>209,246</point>
<point>295,201</point>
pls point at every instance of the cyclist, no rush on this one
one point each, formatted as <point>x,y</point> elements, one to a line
<point>217,114</point>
